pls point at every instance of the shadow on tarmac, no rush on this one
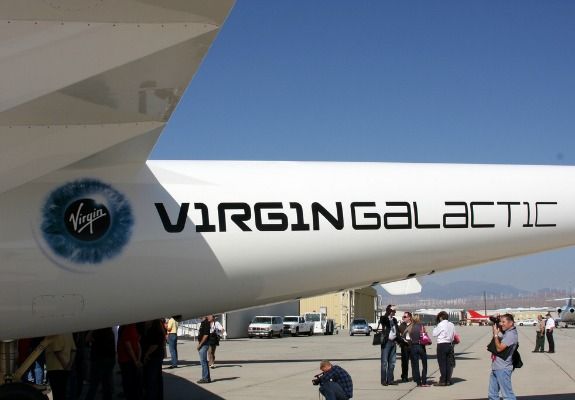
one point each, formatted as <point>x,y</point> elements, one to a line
<point>240,362</point>
<point>178,388</point>
<point>181,364</point>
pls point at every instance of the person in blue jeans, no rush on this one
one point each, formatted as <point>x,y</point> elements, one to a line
<point>203,346</point>
<point>172,331</point>
<point>390,330</point>
<point>506,342</point>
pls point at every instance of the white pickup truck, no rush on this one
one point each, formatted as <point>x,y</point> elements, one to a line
<point>296,325</point>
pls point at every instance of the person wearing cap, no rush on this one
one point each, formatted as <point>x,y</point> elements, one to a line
<point>390,330</point>
<point>540,338</point>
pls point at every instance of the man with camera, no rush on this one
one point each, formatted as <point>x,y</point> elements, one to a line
<point>505,342</point>
<point>334,382</point>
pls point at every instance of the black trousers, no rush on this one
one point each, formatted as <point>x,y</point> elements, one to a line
<point>549,334</point>
<point>58,383</point>
<point>445,369</point>
<point>153,380</point>
<point>405,353</point>
<point>131,381</point>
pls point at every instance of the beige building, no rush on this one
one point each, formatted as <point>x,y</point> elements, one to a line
<point>343,306</point>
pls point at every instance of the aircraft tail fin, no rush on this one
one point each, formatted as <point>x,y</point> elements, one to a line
<point>475,314</point>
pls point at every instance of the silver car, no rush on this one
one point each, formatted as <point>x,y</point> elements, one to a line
<point>359,326</point>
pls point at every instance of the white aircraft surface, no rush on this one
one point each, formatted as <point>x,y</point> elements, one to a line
<point>92,234</point>
<point>567,312</point>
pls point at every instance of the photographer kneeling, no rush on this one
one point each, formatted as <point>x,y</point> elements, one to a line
<point>334,382</point>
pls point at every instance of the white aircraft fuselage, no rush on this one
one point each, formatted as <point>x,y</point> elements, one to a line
<point>567,312</point>
<point>86,248</point>
<point>92,234</point>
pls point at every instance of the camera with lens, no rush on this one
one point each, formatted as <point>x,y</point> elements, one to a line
<point>495,319</point>
<point>316,379</point>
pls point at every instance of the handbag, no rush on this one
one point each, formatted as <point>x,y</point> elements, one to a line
<point>516,359</point>
<point>456,339</point>
<point>378,339</point>
<point>214,338</point>
<point>424,338</point>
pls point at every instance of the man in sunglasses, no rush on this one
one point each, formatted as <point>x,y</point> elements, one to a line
<point>404,345</point>
<point>390,331</point>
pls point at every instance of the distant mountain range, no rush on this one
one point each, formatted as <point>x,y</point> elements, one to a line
<point>432,290</point>
<point>469,294</point>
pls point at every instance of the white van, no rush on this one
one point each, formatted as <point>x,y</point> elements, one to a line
<point>266,326</point>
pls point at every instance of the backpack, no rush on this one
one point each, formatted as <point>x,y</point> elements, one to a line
<point>516,359</point>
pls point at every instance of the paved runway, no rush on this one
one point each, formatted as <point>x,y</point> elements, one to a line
<point>283,369</point>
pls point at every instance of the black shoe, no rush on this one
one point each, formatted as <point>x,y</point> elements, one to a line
<point>404,380</point>
<point>551,352</point>
<point>384,383</point>
<point>440,384</point>
<point>204,381</point>
<point>392,383</point>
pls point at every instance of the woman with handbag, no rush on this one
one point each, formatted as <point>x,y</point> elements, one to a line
<point>413,334</point>
<point>444,332</point>
<point>216,331</point>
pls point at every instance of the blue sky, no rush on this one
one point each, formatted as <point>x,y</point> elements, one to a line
<point>418,81</point>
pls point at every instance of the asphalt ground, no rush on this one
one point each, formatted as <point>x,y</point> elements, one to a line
<point>283,369</point>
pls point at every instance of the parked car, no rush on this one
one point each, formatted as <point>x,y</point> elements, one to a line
<point>527,322</point>
<point>295,325</point>
<point>359,326</point>
<point>265,325</point>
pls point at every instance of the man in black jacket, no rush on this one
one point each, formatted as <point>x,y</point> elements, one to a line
<point>404,345</point>
<point>390,331</point>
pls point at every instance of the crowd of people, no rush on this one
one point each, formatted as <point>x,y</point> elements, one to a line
<point>69,361</point>
<point>412,338</point>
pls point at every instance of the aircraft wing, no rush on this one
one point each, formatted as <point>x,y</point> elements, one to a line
<point>403,287</point>
<point>79,77</point>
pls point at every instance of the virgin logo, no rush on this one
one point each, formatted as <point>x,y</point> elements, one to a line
<point>87,220</point>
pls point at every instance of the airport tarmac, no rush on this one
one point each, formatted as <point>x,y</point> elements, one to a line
<point>283,369</point>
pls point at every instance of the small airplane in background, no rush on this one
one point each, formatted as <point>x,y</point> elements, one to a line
<point>475,317</point>
<point>566,313</point>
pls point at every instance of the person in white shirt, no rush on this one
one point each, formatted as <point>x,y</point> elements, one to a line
<point>549,326</point>
<point>444,332</point>
<point>216,331</point>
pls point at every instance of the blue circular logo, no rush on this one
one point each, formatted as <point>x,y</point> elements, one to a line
<point>87,222</point>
